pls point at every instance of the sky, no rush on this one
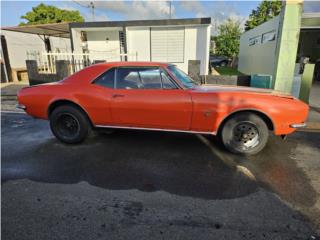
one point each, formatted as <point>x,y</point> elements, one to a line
<point>219,11</point>
<point>135,10</point>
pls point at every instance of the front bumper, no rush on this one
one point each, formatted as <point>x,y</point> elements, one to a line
<point>298,125</point>
<point>21,106</point>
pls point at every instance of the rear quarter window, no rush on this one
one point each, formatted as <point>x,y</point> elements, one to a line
<point>106,79</point>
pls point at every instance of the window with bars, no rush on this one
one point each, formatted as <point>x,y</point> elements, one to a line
<point>122,40</point>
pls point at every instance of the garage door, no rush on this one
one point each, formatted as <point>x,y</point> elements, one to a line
<point>167,44</point>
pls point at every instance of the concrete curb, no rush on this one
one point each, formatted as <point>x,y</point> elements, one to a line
<point>313,108</point>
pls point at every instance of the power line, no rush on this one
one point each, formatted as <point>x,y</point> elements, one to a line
<point>91,5</point>
<point>80,4</point>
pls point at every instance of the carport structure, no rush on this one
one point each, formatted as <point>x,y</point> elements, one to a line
<point>49,30</point>
<point>44,31</point>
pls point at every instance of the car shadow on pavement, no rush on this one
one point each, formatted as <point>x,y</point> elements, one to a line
<point>182,164</point>
<point>148,161</point>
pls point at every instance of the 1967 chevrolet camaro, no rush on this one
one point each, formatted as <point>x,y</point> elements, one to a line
<point>159,96</point>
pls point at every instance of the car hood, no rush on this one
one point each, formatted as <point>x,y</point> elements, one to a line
<point>224,88</point>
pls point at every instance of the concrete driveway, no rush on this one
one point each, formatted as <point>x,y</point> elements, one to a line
<point>154,185</point>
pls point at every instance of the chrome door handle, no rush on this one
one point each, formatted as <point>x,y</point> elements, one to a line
<point>117,95</point>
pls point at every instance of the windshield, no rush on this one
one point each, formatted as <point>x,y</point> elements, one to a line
<point>182,77</point>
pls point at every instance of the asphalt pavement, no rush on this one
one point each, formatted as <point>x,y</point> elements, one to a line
<point>155,185</point>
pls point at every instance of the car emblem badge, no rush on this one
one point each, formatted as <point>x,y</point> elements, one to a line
<point>207,113</point>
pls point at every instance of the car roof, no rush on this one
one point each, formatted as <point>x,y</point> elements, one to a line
<point>133,64</point>
<point>93,71</point>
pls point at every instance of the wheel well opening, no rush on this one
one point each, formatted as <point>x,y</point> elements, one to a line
<point>263,116</point>
<point>59,103</point>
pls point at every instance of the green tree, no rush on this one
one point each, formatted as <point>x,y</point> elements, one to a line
<point>43,13</point>
<point>265,11</point>
<point>228,39</point>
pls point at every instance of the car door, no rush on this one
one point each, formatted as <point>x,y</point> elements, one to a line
<point>146,97</point>
<point>96,99</point>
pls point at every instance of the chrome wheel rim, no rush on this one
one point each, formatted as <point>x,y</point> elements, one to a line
<point>67,126</point>
<point>245,136</point>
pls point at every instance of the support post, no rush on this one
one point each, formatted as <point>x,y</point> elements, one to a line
<point>306,82</point>
<point>6,58</point>
<point>286,52</point>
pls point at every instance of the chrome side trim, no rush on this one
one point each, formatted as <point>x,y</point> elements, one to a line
<point>14,112</point>
<point>21,106</point>
<point>154,129</point>
<point>298,125</point>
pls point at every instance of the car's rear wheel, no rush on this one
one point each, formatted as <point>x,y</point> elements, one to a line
<point>245,133</point>
<point>69,124</point>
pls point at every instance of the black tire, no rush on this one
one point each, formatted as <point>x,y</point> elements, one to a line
<point>245,134</point>
<point>69,124</point>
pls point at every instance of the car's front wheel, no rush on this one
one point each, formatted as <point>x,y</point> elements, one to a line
<point>245,133</point>
<point>69,124</point>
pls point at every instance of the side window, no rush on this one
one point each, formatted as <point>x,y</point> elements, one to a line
<point>128,78</point>
<point>167,82</point>
<point>141,78</point>
<point>106,79</point>
<point>150,78</point>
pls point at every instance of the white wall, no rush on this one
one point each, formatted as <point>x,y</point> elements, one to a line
<point>203,48</point>
<point>138,40</point>
<point>97,43</point>
<point>99,47</point>
<point>19,43</point>
<point>75,33</point>
<point>196,47</point>
<point>259,58</point>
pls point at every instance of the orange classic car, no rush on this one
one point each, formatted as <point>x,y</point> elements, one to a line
<point>159,96</point>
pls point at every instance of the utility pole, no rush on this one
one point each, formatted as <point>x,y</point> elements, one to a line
<point>92,10</point>
<point>170,9</point>
<point>214,25</point>
<point>91,5</point>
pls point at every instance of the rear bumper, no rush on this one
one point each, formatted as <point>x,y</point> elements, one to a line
<point>298,125</point>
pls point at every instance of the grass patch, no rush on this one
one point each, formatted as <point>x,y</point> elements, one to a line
<point>228,71</point>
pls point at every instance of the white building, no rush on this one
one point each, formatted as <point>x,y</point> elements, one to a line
<point>258,49</point>
<point>280,48</point>
<point>171,40</point>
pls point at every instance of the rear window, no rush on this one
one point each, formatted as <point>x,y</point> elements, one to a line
<point>106,79</point>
